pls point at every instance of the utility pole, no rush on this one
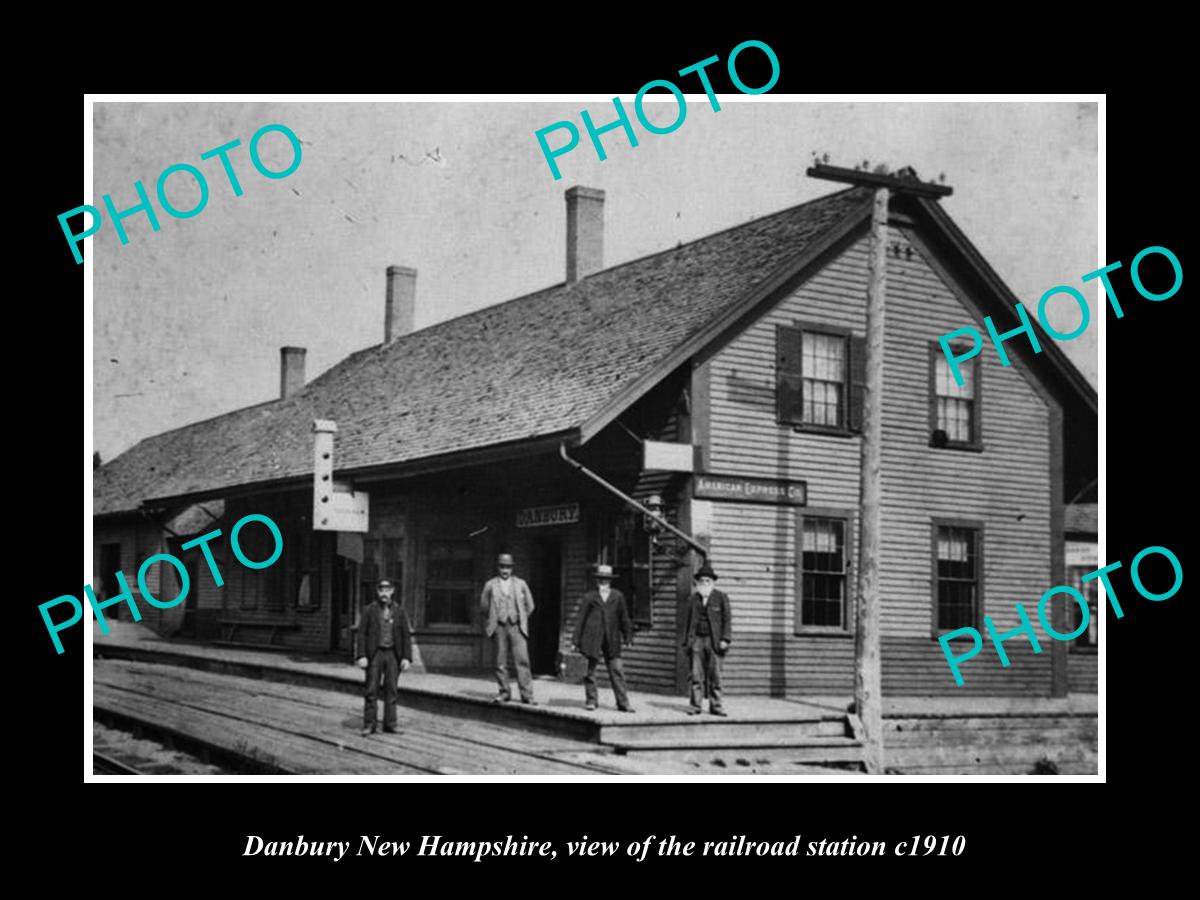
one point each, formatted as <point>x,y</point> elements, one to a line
<point>868,681</point>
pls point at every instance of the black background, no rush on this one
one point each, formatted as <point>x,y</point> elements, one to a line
<point>194,834</point>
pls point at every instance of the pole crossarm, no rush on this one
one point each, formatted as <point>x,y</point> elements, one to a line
<point>904,181</point>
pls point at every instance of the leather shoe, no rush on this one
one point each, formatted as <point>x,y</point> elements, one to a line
<point>718,712</point>
<point>694,711</point>
<point>391,730</point>
<point>589,706</point>
<point>501,699</point>
<point>628,709</point>
<point>529,701</point>
<point>368,729</point>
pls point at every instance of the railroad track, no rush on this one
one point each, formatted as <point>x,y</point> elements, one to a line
<point>102,764</point>
<point>237,754</point>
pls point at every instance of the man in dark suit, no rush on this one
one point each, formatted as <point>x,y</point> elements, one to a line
<point>707,634</point>
<point>387,651</point>
<point>603,625</point>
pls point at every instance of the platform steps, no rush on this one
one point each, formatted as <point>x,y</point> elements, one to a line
<point>809,741</point>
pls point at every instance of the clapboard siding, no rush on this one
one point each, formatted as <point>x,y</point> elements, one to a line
<point>1006,486</point>
<point>1083,671</point>
<point>780,664</point>
<point>650,662</point>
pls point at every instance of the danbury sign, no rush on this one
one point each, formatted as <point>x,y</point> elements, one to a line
<point>750,490</point>
<point>533,516</point>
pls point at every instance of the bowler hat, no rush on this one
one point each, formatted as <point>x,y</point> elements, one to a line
<point>603,571</point>
<point>504,559</point>
<point>385,582</point>
<point>706,569</point>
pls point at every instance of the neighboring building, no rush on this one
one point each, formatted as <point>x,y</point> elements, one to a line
<point>1082,556</point>
<point>747,347</point>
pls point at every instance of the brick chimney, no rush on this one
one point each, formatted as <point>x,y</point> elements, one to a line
<point>291,371</point>
<point>585,232</point>
<point>400,313</point>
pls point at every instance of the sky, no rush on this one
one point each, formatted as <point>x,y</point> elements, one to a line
<point>188,320</point>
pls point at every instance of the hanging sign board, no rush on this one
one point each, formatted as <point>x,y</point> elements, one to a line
<point>750,490</point>
<point>661,456</point>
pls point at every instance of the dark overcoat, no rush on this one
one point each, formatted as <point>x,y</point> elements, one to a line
<point>598,620</point>
<point>372,630</point>
<point>720,620</point>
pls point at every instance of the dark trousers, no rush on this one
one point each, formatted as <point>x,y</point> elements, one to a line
<point>706,673</point>
<point>510,634</point>
<point>616,674</point>
<point>383,666</point>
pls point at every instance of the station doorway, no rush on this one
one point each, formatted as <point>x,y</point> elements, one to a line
<point>546,585</point>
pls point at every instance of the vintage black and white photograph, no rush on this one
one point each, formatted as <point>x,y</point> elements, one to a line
<point>727,452</point>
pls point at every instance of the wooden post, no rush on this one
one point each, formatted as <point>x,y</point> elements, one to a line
<point>868,681</point>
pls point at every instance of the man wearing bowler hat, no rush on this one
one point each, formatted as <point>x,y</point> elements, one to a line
<point>707,633</point>
<point>603,626</point>
<point>387,651</point>
<point>507,604</point>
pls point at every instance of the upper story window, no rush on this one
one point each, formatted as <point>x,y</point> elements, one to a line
<point>954,419</point>
<point>823,366</point>
<point>819,378</point>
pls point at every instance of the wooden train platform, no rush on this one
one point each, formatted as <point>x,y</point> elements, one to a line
<point>265,727</point>
<point>286,712</point>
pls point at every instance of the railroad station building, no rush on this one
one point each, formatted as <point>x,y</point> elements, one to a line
<point>719,382</point>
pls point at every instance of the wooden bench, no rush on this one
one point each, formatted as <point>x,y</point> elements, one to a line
<point>230,627</point>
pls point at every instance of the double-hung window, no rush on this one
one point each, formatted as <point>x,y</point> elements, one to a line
<point>823,571</point>
<point>957,575</point>
<point>954,409</point>
<point>820,378</point>
<point>823,371</point>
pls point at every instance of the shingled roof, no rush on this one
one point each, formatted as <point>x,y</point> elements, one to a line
<point>537,365</point>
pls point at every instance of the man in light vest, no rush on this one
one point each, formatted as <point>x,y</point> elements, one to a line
<point>507,604</point>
